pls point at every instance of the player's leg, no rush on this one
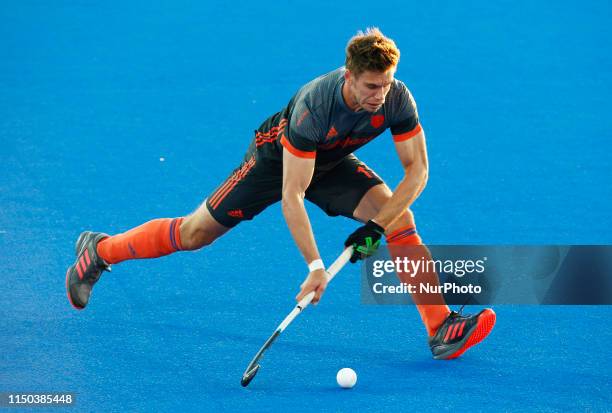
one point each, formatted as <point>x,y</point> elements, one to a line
<point>450,333</point>
<point>162,236</point>
<point>242,196</point>
<point>200,229</point>
<point>353,190</point>
<point>96,251</point>
<point>402,233</point>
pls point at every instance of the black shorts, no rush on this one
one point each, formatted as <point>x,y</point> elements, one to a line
<point>258,181</point>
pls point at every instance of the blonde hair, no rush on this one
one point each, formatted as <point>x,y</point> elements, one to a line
<point>371,51</point>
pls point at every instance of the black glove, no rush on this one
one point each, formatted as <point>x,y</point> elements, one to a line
<point>365,240</point>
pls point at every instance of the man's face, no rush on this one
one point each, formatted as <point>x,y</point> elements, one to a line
<point>369,90</point>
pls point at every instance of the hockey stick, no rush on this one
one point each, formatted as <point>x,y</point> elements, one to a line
<point>253,366</point>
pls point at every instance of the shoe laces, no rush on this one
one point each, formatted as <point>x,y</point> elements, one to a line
<point>459,313</point>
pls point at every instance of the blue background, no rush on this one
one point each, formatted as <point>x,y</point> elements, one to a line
<point>514,99</point>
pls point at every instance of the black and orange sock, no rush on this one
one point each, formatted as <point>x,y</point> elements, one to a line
<point>431,307</point>
<point>150,240</point>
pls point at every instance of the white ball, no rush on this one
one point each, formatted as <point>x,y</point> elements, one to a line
<point>346,378</point>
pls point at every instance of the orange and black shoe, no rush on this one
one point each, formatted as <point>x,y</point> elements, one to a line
<point>85,272</point>
<point>460,332</point>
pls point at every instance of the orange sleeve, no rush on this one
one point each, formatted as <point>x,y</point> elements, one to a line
<point>407,135</point>
<point>300,154</point>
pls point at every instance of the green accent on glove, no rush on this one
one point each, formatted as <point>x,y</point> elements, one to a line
<point>369,248</point>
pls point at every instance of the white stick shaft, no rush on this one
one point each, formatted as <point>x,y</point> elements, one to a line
<point>304,302</point>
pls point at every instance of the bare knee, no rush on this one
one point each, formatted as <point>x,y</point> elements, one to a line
<point>200,229</point>
<point>193,238</point>
<point>372,202</point>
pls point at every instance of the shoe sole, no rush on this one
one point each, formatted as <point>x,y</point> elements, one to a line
<point>486,322</point>
<point>68,290</point>
<point>79,247</point>
<point>77,253</point>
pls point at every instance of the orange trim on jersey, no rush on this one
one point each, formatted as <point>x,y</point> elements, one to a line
<point>407,135</point>
<point>300,154</point>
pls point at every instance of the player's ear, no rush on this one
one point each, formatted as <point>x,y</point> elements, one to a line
<point>347,75</point>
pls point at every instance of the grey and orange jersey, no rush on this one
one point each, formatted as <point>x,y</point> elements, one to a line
<point>317,123</point>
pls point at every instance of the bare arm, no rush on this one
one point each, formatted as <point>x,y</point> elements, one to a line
<point>297,174</point>
<point>413,156</point>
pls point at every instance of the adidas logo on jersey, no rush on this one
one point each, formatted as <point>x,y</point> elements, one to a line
<point>332,133</point>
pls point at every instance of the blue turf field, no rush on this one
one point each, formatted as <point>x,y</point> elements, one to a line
<point>515,101</point>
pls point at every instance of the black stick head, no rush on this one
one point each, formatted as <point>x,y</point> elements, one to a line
<point>249,375</point>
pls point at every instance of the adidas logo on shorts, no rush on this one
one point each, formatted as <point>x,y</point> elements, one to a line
<point>236,213</point>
